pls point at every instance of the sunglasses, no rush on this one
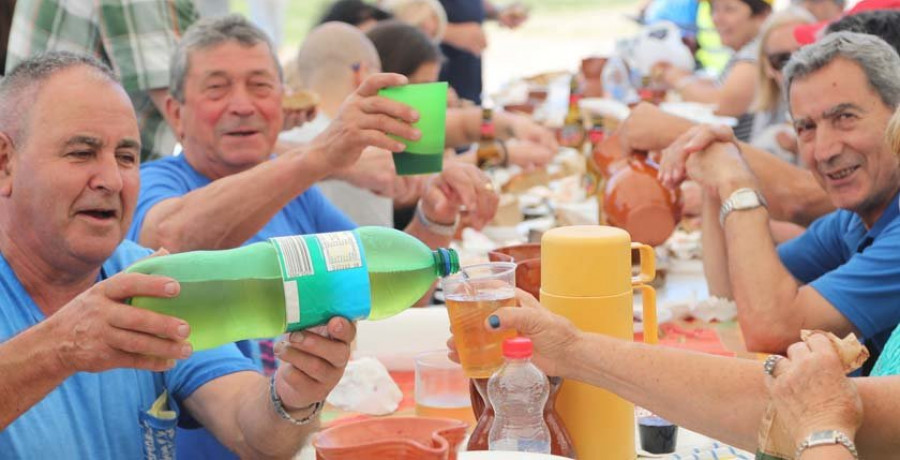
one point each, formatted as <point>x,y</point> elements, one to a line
<point>779,60</point>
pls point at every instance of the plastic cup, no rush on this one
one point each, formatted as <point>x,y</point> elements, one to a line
<point>472,295</point>
<point>442,389</point>
<point>425,155</point>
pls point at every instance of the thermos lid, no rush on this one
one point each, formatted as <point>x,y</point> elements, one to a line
<point>586,261</point>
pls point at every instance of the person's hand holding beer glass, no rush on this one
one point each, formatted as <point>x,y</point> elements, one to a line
<point>473,295</point>
<point>553,336</point>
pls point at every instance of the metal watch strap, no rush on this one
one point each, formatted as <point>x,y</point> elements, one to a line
<point>283,413</point>
<point>730,204</point>
<point>434,227</point>
<point>827,438</point>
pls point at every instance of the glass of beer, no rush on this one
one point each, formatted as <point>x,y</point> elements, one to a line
<point>442,389</point>
<point>472,295</point>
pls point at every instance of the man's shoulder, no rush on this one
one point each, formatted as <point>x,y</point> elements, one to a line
<point>170,172</point>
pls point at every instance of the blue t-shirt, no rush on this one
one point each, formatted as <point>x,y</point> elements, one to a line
<point>310,212</point>
<point>462,69</point>
<point>103,415</point>
<point>856,270</point>
<point>173,177</point>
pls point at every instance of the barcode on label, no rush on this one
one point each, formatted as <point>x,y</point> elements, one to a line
<point>340,250</point>
<point>295,252</point>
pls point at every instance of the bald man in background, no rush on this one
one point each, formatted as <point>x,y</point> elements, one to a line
<point>332,62</point>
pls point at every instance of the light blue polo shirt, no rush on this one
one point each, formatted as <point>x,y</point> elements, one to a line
<point>856,270</point>
<point>174,177</point>
<point>311,212</point>
<point>103,415</point>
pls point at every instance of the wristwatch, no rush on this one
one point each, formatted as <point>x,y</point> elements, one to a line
<point>740,200</point>
<point>827,438</point>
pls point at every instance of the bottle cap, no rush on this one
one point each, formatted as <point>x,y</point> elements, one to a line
<point>518,348</point>
<point>447,261</point>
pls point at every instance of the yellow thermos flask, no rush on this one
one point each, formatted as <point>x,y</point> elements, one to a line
<point>586,277</point>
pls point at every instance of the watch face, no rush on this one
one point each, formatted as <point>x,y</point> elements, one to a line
<point>746,199</point>
<point>820,436</point>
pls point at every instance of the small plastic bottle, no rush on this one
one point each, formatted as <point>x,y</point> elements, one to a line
<point>617,81</point>
<point>518,392</point>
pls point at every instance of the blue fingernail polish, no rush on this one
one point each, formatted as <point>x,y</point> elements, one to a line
<point>494,321</point>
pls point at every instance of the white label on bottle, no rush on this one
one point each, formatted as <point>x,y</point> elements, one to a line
<point>297,261</point>
<point>340,250</point>
<point>292,301</point>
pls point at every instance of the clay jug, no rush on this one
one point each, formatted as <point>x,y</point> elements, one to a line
<point>637,202</point>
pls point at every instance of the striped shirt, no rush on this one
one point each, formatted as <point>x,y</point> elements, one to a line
<point>748,53</point>
<point>136,38</point>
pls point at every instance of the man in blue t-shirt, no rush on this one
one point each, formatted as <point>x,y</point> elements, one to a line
<point>82,373</point>
<point>225,190</point>
<point>842,274</point>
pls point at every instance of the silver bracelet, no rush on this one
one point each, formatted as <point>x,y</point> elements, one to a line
<point>434,227</point>
<point>827,438</point>
<point>283,413</point>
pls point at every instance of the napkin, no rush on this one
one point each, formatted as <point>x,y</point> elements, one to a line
<point>366,387</point>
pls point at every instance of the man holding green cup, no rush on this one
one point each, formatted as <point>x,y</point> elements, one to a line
<point>425,155</point>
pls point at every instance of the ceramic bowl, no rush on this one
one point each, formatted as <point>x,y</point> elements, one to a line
<point>392,438</point>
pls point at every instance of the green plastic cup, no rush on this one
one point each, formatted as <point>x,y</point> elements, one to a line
<point>425,155</point>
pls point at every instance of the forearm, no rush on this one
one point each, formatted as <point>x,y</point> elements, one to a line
<point>455,34</point>
<point>463,126</point>
<point>793,194</point>
<point>158,98</point>
<point>230,210</point>
<point>431,239</point>
<point>237,409</point>
<point>715,255</point>
<point>879,435</point>
<point>720,397</point>
<point>29,370</point>
<point>701,90</point>
<point>265,433</point>
<point>764,290</point>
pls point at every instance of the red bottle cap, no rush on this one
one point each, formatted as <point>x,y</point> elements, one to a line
<point>518,348</point>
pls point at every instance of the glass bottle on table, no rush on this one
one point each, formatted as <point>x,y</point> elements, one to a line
<point>572,134</point>
<point>491,151</point>
<point>593,178</point>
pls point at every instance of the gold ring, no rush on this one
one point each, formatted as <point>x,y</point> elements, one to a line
<point>489,186</point>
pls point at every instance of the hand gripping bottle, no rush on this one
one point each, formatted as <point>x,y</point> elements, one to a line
<point>286,284</point>
<point>518,392</point>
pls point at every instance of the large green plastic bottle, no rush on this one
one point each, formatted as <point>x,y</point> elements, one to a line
<point>286,284</point>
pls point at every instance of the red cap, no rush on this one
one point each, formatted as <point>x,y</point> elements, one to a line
<point>518,348</point>
<point>809,33</point>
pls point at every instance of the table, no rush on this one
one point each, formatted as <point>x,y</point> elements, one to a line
<point>425,329</point>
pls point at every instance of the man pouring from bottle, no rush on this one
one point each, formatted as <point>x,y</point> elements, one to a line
<point>226,190</point>
<point>82,374</point>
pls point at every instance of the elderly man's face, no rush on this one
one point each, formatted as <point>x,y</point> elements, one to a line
<point>75,177</point>
<point>840,122</point>
<point>232,114</point>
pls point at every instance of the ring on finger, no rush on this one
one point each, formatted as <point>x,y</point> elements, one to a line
<point>770,363</point>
